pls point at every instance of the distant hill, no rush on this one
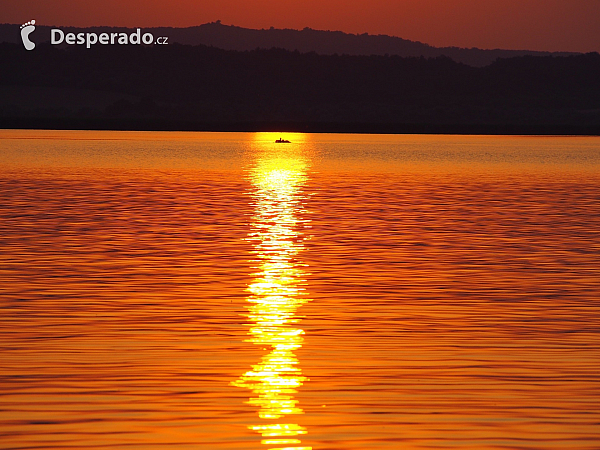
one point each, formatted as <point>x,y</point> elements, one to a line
<point>229,37</point>
<point>206,88</point>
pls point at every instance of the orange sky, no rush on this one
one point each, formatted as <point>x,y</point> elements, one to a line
<point>567,25</point>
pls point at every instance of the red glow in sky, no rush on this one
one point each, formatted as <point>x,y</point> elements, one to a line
<point>553,25</point>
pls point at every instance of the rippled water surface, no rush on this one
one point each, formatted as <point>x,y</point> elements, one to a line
<point>220,291</point>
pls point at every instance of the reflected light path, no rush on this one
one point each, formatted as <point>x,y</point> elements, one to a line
<point>277,291</point>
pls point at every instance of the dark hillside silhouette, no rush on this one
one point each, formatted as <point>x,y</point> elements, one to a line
<point>230,37</point>
<point>199,87</point>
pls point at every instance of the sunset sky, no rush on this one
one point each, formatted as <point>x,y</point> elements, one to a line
<point>554,25</point>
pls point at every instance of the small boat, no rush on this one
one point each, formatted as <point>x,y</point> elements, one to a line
<point>282,141</point>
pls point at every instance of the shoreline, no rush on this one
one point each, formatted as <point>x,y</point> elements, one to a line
<point>301,127</point>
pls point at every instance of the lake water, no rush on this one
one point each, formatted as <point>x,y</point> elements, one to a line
<point>341,292</point>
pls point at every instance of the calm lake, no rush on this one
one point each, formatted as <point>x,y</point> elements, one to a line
<point>340,292</point>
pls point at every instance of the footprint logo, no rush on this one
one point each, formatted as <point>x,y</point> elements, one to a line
<point>26,29</point>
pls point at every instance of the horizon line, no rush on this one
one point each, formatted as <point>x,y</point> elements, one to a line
<point>307,28</point>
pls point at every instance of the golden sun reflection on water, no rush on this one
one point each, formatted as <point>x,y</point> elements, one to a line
<point>277,291</point>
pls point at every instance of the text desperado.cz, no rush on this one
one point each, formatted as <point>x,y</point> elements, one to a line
<point>57,36</point>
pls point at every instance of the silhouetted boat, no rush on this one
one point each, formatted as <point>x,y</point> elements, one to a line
<point>282,141</point>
